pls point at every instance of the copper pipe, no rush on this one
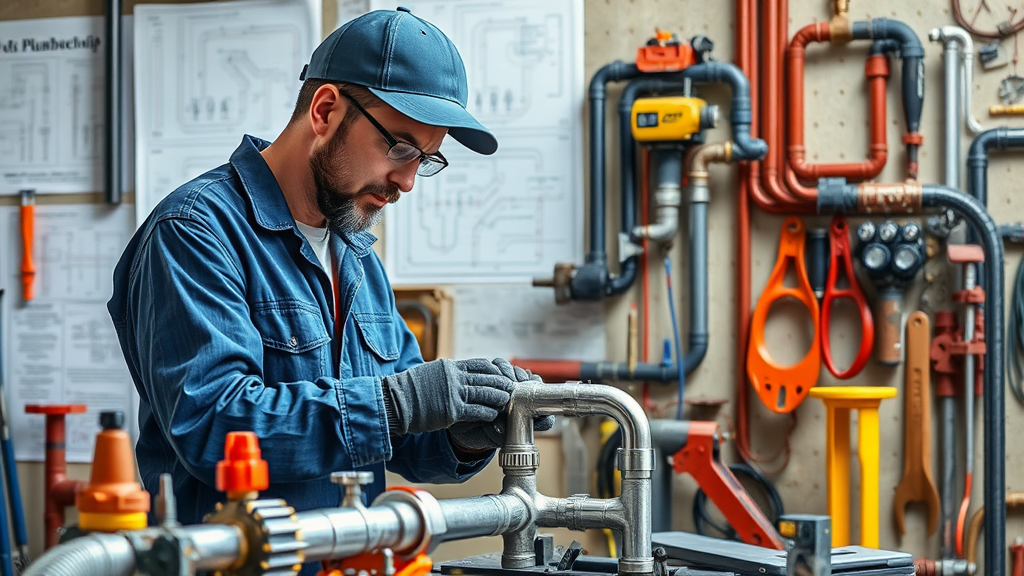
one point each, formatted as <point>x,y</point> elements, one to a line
<point>877,72</point>
<point>1013,499</point>
<point>794,194</point>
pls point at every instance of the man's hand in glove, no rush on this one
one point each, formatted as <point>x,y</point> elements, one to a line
<point>437,394</point>
<point>482,436</point>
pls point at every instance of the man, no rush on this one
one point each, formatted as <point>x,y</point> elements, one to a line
<point>225,301</point>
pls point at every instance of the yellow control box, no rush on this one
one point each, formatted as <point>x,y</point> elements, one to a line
<point>666,118</point>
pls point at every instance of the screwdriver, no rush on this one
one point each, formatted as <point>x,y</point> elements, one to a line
<point>28,221</point>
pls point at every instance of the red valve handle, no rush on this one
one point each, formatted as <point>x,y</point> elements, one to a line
<point>839,245</point>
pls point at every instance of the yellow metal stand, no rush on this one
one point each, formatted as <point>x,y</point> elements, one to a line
<point>839,400</point>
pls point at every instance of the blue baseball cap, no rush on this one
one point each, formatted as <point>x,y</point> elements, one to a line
<point>408,63</point>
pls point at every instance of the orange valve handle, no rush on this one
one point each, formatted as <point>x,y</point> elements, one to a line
<point>782,388</point>
<point>839,246</point>
<point>28,267</point>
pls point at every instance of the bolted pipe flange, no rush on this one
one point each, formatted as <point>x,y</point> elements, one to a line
<point>273,536</point>
<point>430,512</point>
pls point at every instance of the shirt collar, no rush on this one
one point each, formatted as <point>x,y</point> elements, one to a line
<point>268,203</point>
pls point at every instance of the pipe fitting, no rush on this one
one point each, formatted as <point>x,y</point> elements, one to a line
<point>530,400</point>
<point>740,115</point>
<point>957,40</point>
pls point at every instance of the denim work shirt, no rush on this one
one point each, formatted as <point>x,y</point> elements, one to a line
<point>226,318</point>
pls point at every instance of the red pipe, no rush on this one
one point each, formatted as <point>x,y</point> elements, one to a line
<point>551,370</point>
<point>60,490</point>
<point>877,72</point>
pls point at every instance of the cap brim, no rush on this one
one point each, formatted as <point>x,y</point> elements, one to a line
<point>440,112</point>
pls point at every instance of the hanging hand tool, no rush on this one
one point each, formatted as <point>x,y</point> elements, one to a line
<point>10,465</point>
<point>839,247</point>
<point>699,457</point>
<point>946,370</point>
<point>892,255</point>
<point>782,388</point>
<point>972,296</point>
<point>917,484</point>
<point>28,221</point>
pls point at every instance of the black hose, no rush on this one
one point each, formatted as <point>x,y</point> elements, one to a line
<point>912,54</point>
<point>1015,336</point>
<point>994,403</point>
<point>702,518</point>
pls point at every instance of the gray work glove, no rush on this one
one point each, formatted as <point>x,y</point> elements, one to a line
<point>437,394</point>
<point>482,436</point>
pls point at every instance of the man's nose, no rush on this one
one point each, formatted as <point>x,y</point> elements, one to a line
<point>404,175</point>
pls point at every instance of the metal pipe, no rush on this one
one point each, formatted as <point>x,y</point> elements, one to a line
<point>615,71</point>
<point>668,437</point>
<point>947,469</point>
<point>519,460</point>
<point>836,195</point>
<point>113,102</point>
<point>667,197</point>
<point>956,41</point>
<point>91,555</point>
<point>744,145</point>
<point>699,191</point>
<point>877,72</point>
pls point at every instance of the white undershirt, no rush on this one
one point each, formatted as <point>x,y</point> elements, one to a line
<point>319,240</point>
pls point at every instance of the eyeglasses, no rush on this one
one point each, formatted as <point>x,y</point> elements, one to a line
<point>404,152</point>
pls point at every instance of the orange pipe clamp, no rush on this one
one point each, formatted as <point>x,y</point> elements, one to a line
<point>877,72</point>
<point>782,388</point>
<point>839,247</point>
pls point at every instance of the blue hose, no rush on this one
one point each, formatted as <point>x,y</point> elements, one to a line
<point>675,335</point>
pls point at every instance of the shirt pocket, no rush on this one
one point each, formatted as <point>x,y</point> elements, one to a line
<point>379,343</point>
<point>295,341</point>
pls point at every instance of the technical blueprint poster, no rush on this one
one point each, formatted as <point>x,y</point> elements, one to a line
<point>209,73</point>
<point>61,347</point>
<point>52,118</point>
<point>513,215</point>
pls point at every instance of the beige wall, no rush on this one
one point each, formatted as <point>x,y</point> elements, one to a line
<point>836,131</point>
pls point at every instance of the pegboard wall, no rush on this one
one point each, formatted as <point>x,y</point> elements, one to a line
<point>836,130</point>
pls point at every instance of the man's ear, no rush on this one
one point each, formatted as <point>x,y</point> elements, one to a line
<point>326,110</point>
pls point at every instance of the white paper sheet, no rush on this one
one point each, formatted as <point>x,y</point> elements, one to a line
<point>513,215</point>
<point>61,347</point>
<point>52,117</point>
<point>504,320</point>
<point>209,73</point>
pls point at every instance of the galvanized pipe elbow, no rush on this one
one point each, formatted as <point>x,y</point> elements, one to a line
<point>636,462</point>
<point>957,40</point>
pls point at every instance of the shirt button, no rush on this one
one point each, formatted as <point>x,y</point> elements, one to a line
<point>293,342</point>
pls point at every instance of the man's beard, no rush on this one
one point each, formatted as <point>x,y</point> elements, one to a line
<point>334,197</point>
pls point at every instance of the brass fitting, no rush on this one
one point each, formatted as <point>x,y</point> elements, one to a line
<point>875,198</point>
<point>1006,110</point>
<point>839,27</point>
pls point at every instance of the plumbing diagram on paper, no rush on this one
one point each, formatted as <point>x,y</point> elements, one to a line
<point>513,215</point>
<point>52,121</point>
<point>210,73</point>
<point>61,347</point>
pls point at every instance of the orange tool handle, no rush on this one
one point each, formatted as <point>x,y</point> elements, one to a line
<point>782,388</point>
<point>839,245</point>
<point>699,458</point>
<point>28,267</point>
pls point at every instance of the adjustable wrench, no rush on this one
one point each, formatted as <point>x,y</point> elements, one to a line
<point>917,484</point>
